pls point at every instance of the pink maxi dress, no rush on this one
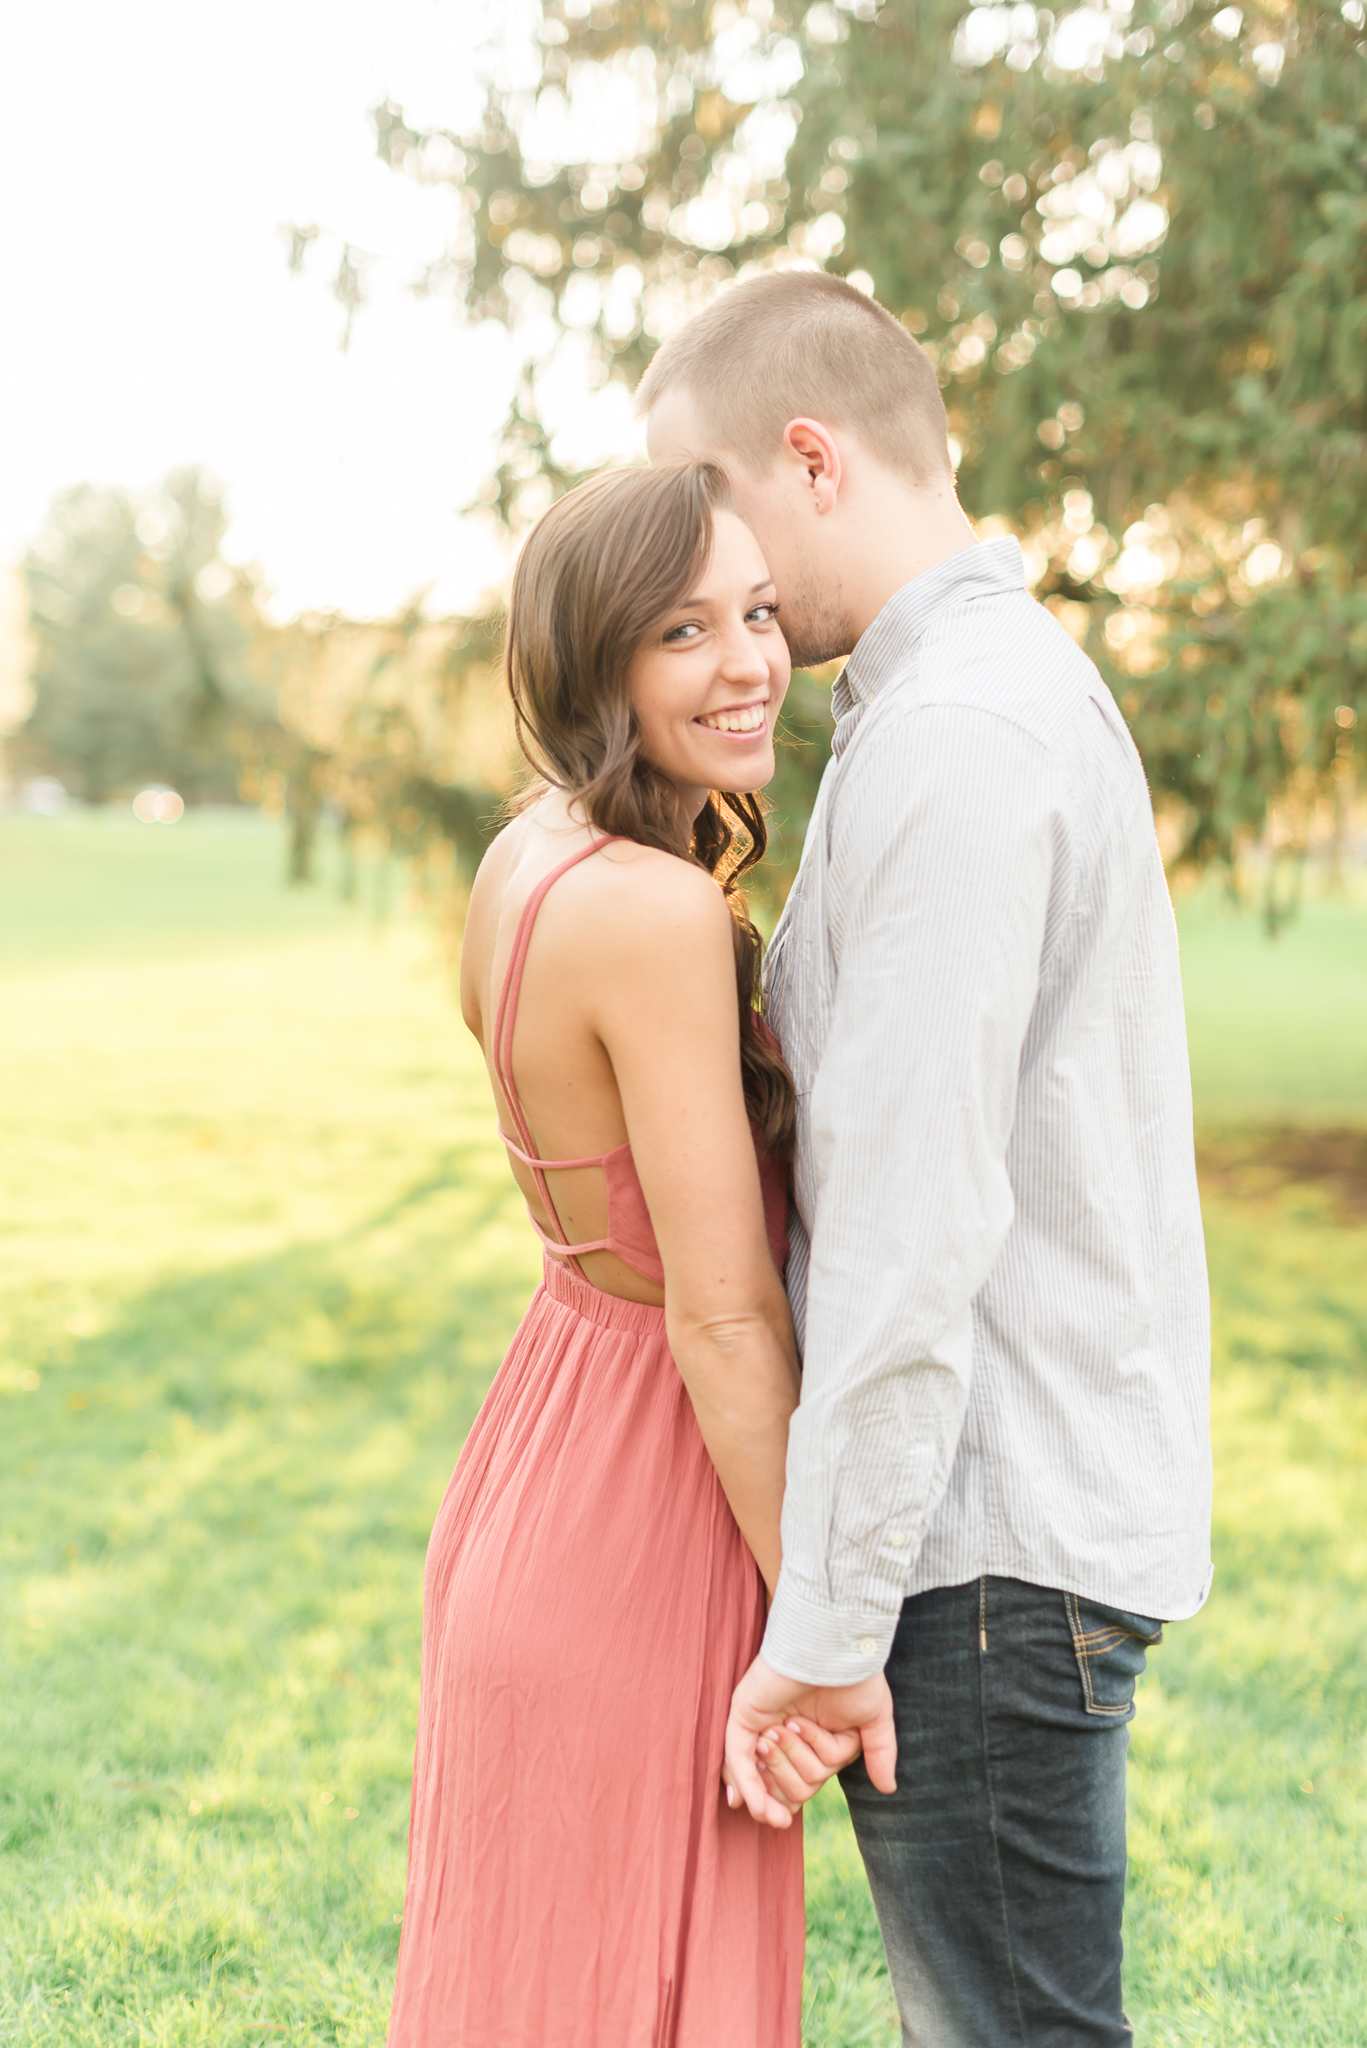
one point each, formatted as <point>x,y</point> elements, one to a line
<point>575,1877</point>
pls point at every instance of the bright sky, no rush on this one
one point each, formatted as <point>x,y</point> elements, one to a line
<point>148,155</point>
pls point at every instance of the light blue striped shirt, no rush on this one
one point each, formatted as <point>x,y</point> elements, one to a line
<point>998,1272</point>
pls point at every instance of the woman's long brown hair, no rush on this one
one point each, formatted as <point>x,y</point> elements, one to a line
<point>596,577</point>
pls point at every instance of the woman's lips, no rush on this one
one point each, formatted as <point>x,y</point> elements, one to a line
<point>740,719</point>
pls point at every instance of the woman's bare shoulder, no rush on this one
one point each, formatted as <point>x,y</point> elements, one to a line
<point>496,865</point>
<point>626,904</point>
<point>482,915</point>
<point>649,896</point>
<point>650,868</point>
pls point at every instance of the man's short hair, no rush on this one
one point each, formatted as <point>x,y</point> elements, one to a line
<point>793,344</point>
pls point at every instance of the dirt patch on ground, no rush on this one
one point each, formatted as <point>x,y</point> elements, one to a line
<point>1257,1164</point>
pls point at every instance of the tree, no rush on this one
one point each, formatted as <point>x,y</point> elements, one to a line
<point>1132,237</point>
<point>392,726</point>
<point>143,643</point>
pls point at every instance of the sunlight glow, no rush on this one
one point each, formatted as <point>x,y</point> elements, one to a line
<point>158,806</point>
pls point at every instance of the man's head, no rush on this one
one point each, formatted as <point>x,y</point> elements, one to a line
<point>824,413</point>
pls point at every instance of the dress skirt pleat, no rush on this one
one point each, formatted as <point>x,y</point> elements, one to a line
<point>576,1879</point>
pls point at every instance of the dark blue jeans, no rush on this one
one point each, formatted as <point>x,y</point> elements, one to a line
<point>998,1866</point>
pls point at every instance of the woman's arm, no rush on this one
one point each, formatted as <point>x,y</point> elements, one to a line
<point>741,1376</point>
<point>665,1009</point>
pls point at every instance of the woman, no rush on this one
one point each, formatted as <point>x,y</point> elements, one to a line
<point>595,1580</point>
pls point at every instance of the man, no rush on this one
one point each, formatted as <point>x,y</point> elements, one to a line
<point>999,1474</point>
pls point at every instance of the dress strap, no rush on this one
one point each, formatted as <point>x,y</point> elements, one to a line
<point>549,1165</point>
<point>567,1251</point>
<point>505,1024</point>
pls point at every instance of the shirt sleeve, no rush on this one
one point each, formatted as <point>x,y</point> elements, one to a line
<point>949,863</point>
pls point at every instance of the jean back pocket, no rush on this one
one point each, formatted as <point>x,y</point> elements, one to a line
<point>1111,1648</point>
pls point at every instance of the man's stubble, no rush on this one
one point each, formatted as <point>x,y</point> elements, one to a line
<point>816,626</point>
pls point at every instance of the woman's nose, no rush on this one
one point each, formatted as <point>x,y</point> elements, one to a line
<point>743,658</point>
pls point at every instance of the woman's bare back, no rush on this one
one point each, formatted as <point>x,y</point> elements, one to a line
<point>580,943</point>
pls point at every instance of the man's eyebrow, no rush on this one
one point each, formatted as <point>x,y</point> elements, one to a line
<point>691,603</point>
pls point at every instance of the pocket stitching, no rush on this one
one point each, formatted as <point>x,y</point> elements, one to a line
<point>1088,1643</point>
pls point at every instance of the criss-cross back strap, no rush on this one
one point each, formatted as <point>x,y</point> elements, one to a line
<point>505,1024</point>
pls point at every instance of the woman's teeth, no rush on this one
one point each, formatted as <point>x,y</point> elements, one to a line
<point>749,719</point>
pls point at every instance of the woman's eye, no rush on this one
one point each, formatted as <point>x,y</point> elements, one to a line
<point>679,632</point>
<point>767,612</point>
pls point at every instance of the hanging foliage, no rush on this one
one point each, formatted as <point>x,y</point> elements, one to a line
<point>1133,239</point>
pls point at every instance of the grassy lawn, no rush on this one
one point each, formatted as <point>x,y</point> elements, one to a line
<point>261,1260</point>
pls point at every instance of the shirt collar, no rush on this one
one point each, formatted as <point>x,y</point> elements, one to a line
<point>983,569</point>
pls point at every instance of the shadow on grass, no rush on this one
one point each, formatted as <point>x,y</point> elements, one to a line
<point>217,1509</point>
<point>1260,1161</point>
<point>215,1517</point>
<point>1247,1915</point>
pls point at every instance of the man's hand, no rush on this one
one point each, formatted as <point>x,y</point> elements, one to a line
<point>764,1699</point>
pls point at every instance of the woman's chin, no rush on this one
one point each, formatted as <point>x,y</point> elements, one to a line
<point>752,769</point>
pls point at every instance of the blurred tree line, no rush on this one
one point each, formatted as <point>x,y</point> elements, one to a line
<point>1132,237</point>
<point>143,645</point>
<point>156,662</point>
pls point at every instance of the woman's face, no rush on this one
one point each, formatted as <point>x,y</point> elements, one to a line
<point>708,685</point>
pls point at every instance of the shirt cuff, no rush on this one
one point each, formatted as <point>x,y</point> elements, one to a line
<point>808,1639</point>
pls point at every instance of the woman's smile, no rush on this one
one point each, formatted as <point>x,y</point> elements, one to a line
<point>737,720</point>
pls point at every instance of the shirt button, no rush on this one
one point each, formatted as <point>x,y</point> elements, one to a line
<point>867,1646</point>
<point>897,1538</point>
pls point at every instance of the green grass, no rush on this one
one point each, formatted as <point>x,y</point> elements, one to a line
<point>261,1261</point>
<point>1278,1027</point>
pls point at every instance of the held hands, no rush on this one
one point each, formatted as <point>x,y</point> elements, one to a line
<point>784,1739</point>
<point>794,1759</point>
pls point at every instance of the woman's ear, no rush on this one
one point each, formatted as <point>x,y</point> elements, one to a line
<point>813,447</point>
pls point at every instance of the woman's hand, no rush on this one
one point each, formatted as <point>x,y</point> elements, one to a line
<point>765,1702</point>
<point>796,1758</point>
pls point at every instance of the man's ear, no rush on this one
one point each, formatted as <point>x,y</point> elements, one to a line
<point>813,446</point>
